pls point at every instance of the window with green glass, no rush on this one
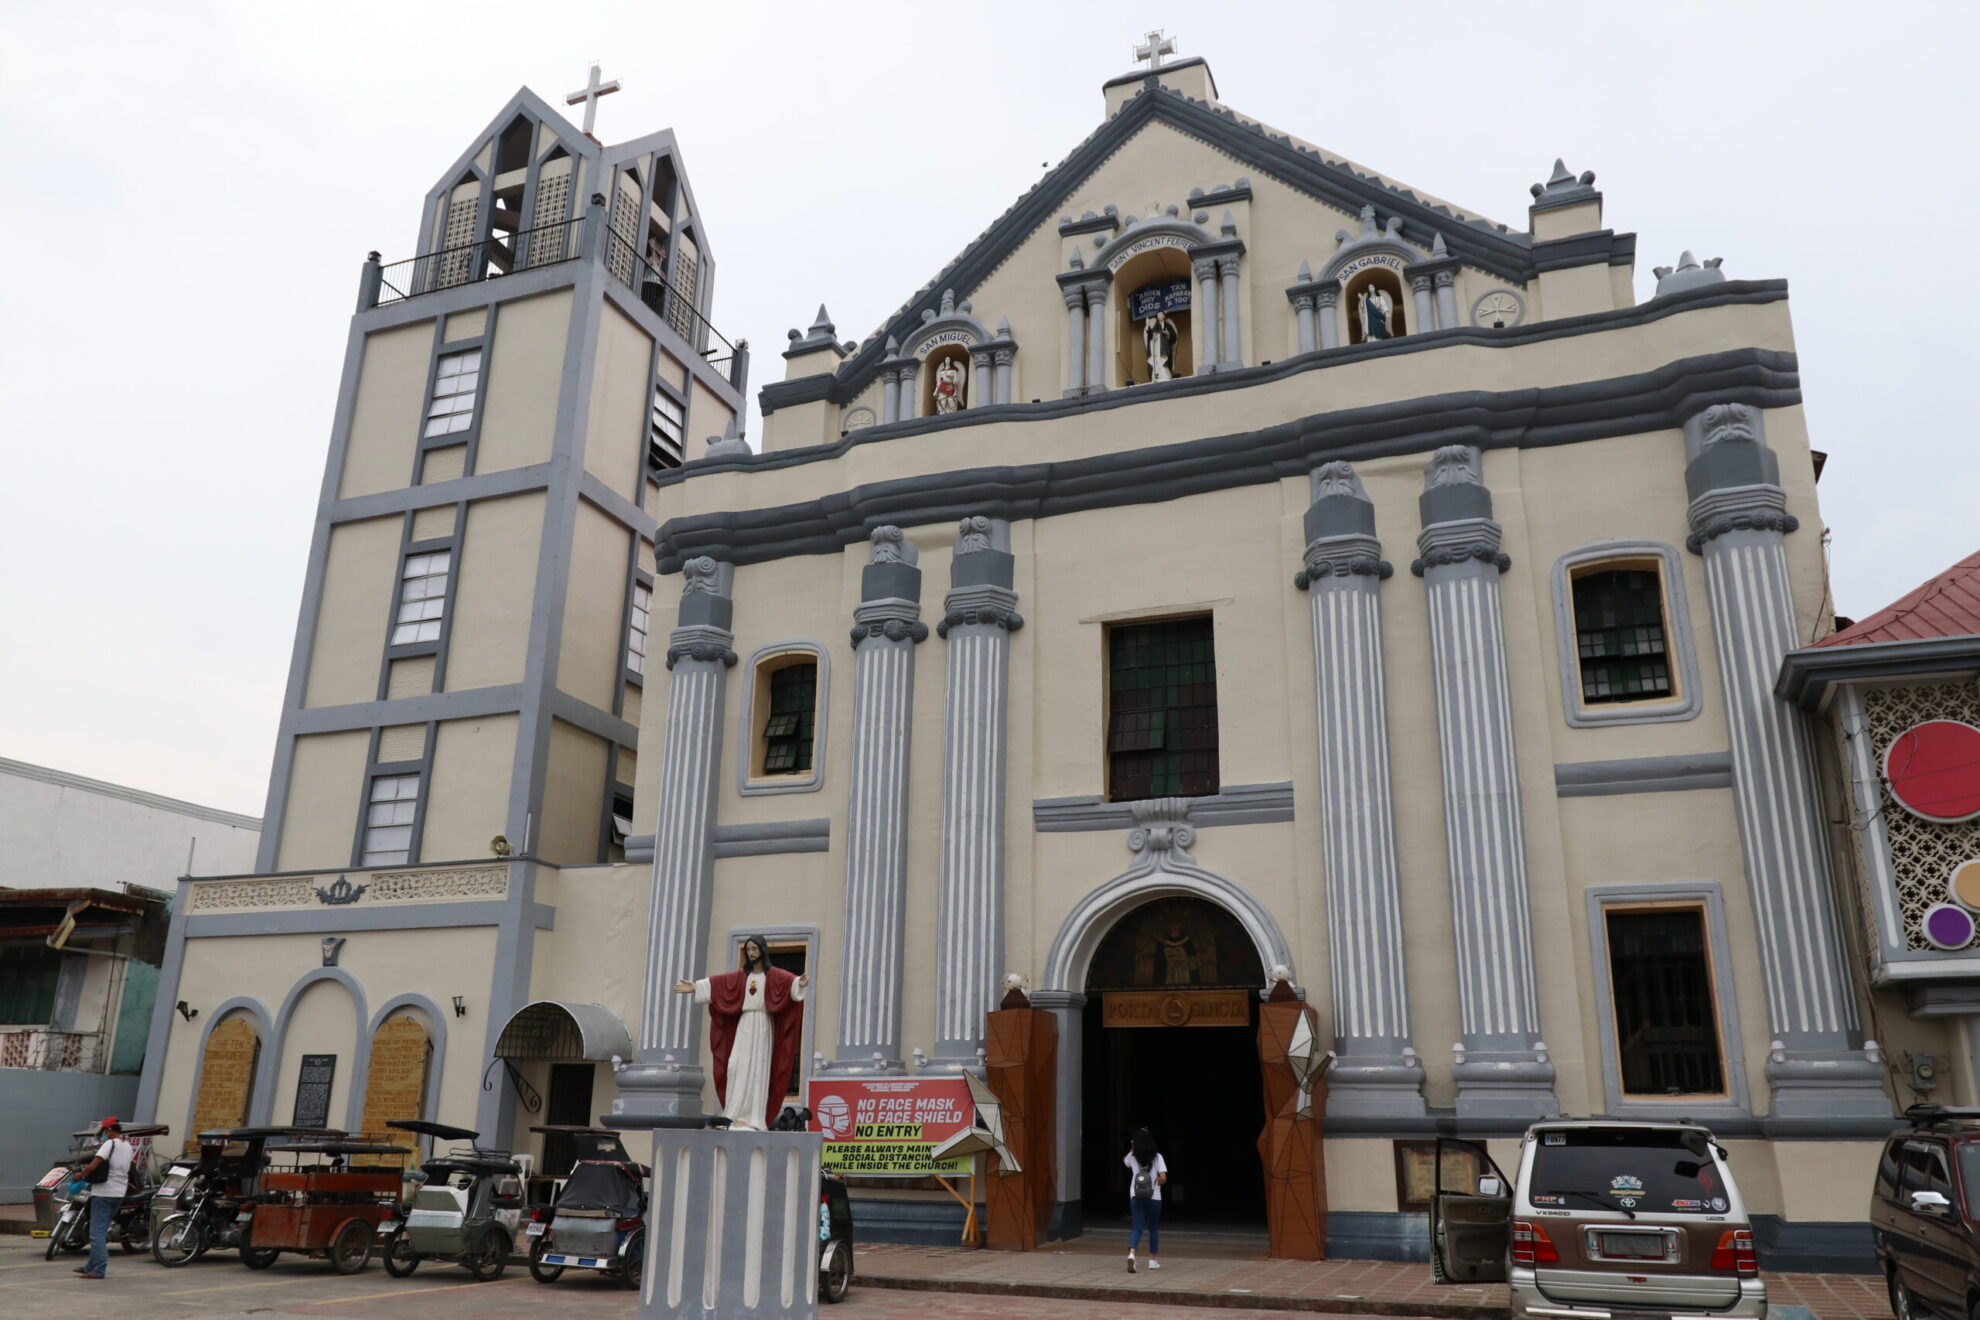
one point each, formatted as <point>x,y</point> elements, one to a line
<point>788,727</point>
<point>27,985</point>
<point>1162,710</point>
<point>1621,636</point>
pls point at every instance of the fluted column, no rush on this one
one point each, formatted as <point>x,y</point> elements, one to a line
<point>887,627</point>
<point>1075,339</point>
<point>1233,351</point>
<point>1003,389</point>
<point>1375,1071</point>
<point>1739,523</point>
<point>1210,329</point>
<point>1096,337</point>
<point>1426,316</point>
<point>980,618</point>
<point>666,1077</point>
<point>1303,312</point>
<point>1501,1069</point>
<point>890,378</point>
<point>1447,308</point>
<point>1325,310</point>
<point>982,378</point>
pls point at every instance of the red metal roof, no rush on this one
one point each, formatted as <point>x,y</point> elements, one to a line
<point>1946,606</point>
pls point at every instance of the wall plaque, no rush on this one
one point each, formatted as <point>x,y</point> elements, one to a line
<point>1176,1008</point>
<point>313,1090</point>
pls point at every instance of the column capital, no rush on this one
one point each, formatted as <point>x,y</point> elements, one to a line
<point>890,590</point>
<point>1738,509</point>
<point>1205,268</point>
<point>1420,283</point>
<point>1340,530</point>
<point>1456,509</point>
<point>1445,278</point>
<point>1733,478</point>
<point>701,643</point>
<point>1327,293</point>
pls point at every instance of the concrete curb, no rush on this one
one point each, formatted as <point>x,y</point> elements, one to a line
<point>19,1227</point>
<point>1179,1297</point>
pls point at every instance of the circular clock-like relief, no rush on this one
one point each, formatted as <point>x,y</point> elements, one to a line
<point>1963,885</point>
<point>1933,769</point>
<point>1947,927</point>
<point>1497,310</point>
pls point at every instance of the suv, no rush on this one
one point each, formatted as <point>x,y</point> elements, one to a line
<point>1925,1214</point>
<point>1604,1220</point>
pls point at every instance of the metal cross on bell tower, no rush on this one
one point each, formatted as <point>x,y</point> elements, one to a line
<point>1154,48</point>
<point>589,94</point>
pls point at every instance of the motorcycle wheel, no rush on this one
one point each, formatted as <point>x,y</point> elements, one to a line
<point>77,1238</point>
<point>538,1270</point>
<point>350,1250</point>
<point>400,1258</point>
<point>256,1258</point>
<point>632,1266</point>
<point>178,1240</point>
<point>489,1257</point>
<point>137,1235</point>
<point>55,1237</point>
<point>835,1272</point>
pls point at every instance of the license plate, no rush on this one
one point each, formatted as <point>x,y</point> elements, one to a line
<point>536,1230</point>
<point>387,1225</point>
<point>243,1216</point>
<point>1636,1246</point>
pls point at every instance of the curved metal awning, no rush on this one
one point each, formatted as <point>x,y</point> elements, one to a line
<point>548,1029</point>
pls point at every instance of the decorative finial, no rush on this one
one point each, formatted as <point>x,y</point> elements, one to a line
<point>1154,48</point>
<point>588,95</point>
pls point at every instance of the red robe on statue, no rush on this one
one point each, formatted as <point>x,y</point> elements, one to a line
<point>726,992</point>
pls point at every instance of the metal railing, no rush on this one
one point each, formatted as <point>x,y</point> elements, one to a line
<point>668,303</point>
<point>485,259</point>
<point>50,1051</point>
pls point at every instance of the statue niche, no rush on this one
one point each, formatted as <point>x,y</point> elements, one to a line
<point>945,381</point>
<point>1153,327</point>
<point>1374,300</point>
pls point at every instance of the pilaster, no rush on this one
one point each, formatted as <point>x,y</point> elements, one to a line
<point>1096,336</point>
<point>1209,337</point>
<point>1326,304</point>
<point>1075,297</point>
<point>1500,1066</point>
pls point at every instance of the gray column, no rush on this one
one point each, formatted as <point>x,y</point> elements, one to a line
<point>1375,1071</point>
<point>980,618</point>
<point>1447,308</point>
<point>1501,1068</point>
<point>982,378</point>
<point>1303,311</point>
<point>890,397</point>
<point>1324,309</point>
<point>1739,523</point>
<point>1227,267</point>
<point>1210,331</point>
<point>1426,316</point>
<point>887,627</point>
<point>1096,338</point>
<point>1002,393</point>
<point>666,1079</point>
<point>1075,340</point>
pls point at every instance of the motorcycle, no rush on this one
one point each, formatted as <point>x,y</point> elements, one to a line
<point>130,1226</point>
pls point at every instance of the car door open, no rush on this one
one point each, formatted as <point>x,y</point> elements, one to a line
<point>1469,1212</point>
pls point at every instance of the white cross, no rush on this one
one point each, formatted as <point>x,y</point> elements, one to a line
<point>589,94</point>
<point>1155,48</point>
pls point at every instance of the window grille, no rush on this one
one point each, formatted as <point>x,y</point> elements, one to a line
<point>1162,710</point>
<point>1667,1028</point>
<point>1923,852</point>
<point>388,820</point>
<point>454,390</point>
<point>1621,637</point>
<point>422,597</point>
<point>680,307</point>
<point>642,614</point>
<point>787,729</point>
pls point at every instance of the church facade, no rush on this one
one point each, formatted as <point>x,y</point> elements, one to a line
<point>1233,565</point>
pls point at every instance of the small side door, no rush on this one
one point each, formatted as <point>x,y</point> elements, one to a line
<point>1470,1233</point>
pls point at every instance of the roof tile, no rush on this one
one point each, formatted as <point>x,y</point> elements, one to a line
<point>1946,606</point>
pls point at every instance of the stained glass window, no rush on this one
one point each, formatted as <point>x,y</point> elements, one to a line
<point>1621,637</point>
<point>1162,710</point>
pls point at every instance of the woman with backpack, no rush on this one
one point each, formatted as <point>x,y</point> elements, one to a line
<point>1147,1171</point>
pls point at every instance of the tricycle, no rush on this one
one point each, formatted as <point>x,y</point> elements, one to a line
<point>314,1199</point>
<point>466,1208</point>
<point>599,1219</point>
<point>68,1211</point>
<point>207,1200</point>
<point>835,1238</point>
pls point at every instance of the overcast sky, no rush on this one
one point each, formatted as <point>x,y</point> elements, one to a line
<point>195,184</point>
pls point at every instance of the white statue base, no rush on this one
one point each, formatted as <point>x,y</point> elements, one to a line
<point>732,1226</point>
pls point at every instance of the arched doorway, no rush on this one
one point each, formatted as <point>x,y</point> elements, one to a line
<point>228,1064</point>
<point>1171,1044</point>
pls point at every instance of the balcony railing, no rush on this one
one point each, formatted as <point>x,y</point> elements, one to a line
<point>487,259</point>
<point>667,302</point>
<point>51,1051</point>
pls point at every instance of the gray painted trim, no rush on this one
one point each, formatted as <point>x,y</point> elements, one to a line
<point>263,1080</point>
<point>470,703</point>
<point>337,921</point>
<point>1601,247</point>
<point>1808,675</point>
<point>163,1004</point>
<point>1644,774</point>
<point>476,486</point>
<point>1567,414</point>
<point>1234,804</point>
<point>616,506</point>
<point>1719,944</point>
<point>750,786</point>
<point>768,837</point>
<point>156,801</point>
<point>1677,630</point>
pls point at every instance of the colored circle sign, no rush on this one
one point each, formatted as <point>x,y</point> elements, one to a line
<point>1948,927</point>
<point>1963,885</point>
<point>1934,770</point>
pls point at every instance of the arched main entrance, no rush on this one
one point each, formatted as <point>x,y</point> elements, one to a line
<point>1171,1043</point>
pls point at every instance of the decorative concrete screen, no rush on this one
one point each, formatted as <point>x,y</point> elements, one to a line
<point>733,1226</point>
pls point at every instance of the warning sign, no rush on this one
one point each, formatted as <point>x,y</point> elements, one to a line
<point>886,1127</point>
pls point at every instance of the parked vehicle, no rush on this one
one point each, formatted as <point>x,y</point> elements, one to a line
<point>599,1219</point>
<point>130,1226</point>
<point>467,1208</point>
<point>1925,1213</point>
<point>835,1238</point>
<point>315,1199</point>
<point>50,1194</point>
<point>1602,1218</point>
<point>211,1201</point>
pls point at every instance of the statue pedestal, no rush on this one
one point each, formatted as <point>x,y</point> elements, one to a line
<point>732,1226</point>
<point>1289,1147</point>
<point>1021,1065</point>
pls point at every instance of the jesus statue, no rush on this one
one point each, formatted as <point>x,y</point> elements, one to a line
<point>755,1021</point>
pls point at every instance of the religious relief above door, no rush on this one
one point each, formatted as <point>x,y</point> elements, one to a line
<point>1177,962</point>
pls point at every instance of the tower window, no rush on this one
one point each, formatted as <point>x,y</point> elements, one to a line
<point>1660,973</point>
<point>668,425</point>
<point>1621,636</point>
<point>1161,710</point>
<point>787,729</point>
<point>642,616</point>
<point>422,597</point>
<point>454,388</point>
<point>388,820</point>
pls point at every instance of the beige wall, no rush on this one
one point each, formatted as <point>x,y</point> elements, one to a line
<point>523,382</point>
<point>323,1020</point>
<point>708,419</point>
<point>591,653</point>
<point>389,408</point>
<point>497,563</point>
<point>467,794</point>
<point>573,797</point>
<point>326,789</point>
<point>354,613</point>
<point>615,431</point>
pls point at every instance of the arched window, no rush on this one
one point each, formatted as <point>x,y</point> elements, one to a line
<point>396,1075</point>
<point>782,734</point>
<point>226,1076</point>
<point>1154,323</point>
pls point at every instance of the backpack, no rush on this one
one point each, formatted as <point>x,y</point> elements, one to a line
<point>1144,1182</point>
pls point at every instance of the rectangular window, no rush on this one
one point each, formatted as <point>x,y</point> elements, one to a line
<point>459,380</point>
<point>388,820</point>
<point>1667,1020</point>
<point>666,431</point>
<point>788,727</point>
<point>1161,710</point>
<point>1621,636</point>
<point>642,615</point>
<point>422,597</point>
<point>27,985</point>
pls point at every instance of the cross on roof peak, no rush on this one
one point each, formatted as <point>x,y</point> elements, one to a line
<point>588,95</point>
<point>1154,48</point>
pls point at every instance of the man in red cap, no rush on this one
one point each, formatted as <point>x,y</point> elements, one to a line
<point>113,1156</point>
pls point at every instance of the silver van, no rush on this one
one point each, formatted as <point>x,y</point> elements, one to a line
<point>1604,1220</point>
